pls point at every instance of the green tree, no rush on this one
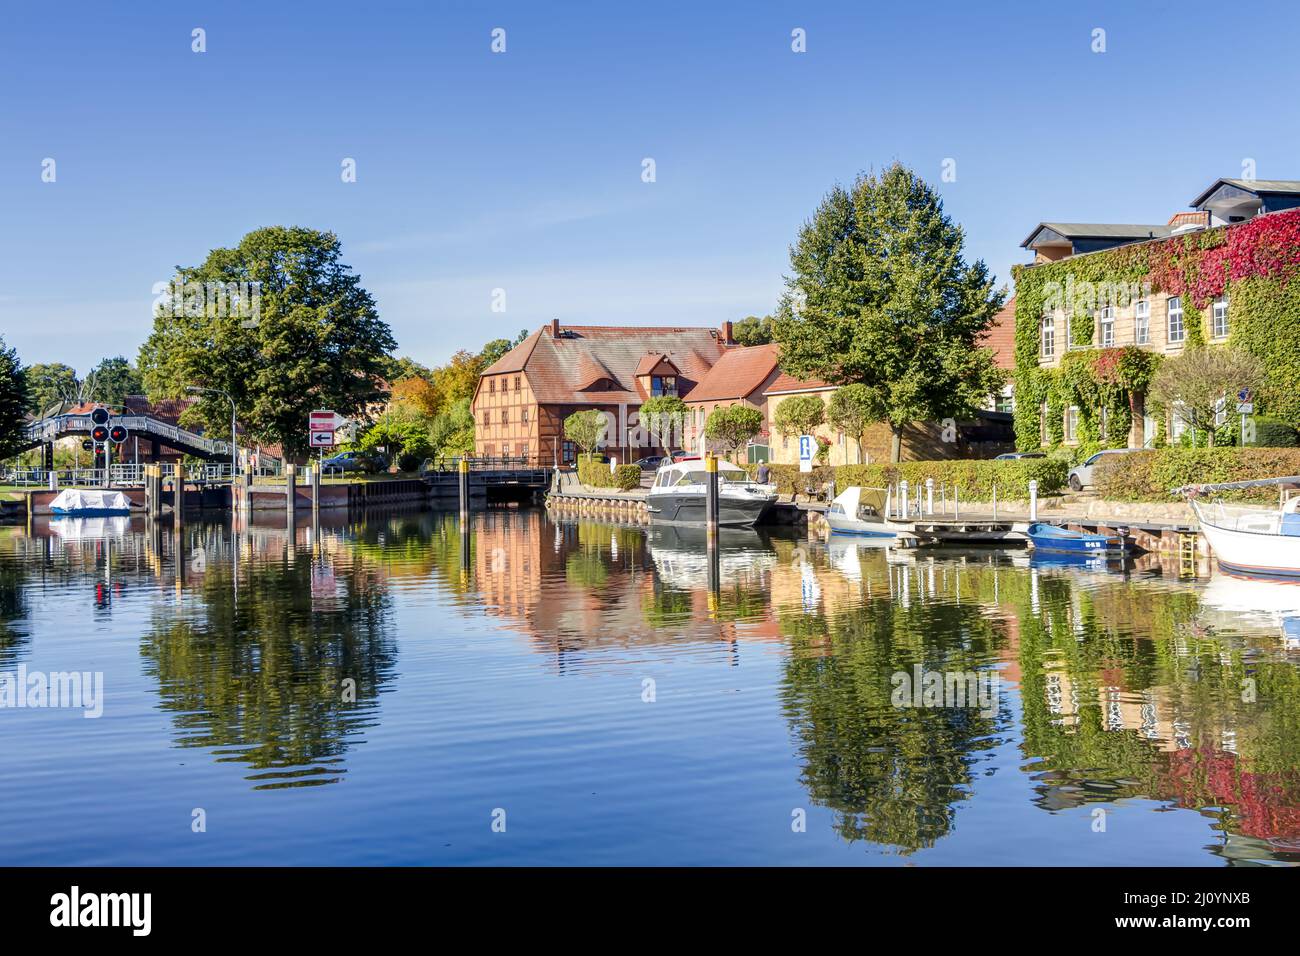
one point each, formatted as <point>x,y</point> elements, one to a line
<point>852,411</point>
<point>733,426</point>
<point>1199,382</point>
<point>310,338</point>
<point>664,418</point>
<point>13,401</point>
<point>585,429</point>
<point>113,379</point>
<point>799,415</point>
<point>452,431</point>
<point>499,347</point>
<point>49,384</point>
<point>753,330</point>
<point>881,296</point>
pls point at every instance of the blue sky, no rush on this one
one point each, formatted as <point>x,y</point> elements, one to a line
<point>522,170</point>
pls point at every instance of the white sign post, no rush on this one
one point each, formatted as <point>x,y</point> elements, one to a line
<point>321,425</point>
<point>322,439</point>
<point>807,447</point>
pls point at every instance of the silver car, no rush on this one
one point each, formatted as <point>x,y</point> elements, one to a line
<point>1081,475</point>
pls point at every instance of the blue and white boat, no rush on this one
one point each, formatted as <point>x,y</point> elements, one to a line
<point>861,511</point>
<point>84,503</point>
<point>1048,537</point>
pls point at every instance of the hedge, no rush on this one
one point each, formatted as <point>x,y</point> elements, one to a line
<point>596,474</point>
<point>974,479</point>
<point>1150,475</point>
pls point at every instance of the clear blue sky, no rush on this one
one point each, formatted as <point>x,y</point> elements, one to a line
<point>522,171</point>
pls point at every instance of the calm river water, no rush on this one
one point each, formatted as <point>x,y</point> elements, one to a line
<point>388,691</point>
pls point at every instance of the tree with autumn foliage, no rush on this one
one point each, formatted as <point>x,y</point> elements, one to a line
<point>882,296</point>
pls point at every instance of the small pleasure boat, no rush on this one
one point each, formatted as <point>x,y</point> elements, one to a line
<point>1251,539</point>
<point>1047,537</point>
<point>678,495</point>
<point>860,511</point>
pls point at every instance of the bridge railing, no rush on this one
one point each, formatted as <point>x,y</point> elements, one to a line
<point>48,429</point>
<point>500,463</point>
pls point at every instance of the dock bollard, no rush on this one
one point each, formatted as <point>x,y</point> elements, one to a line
<point>929,496</point>
<point>902,498</point>
<point>1033,500</point>
<point>464,486</point>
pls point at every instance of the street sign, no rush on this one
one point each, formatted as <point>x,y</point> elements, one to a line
<point>1245,408</point>
<point>1243,395</point>
<point>88,445</point>
<point>322,439</point>
<point>324,420</point>
<point>807,447</point>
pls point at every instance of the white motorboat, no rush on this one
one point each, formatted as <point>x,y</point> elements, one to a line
<point>681,487</point>
<point>1250,539</point>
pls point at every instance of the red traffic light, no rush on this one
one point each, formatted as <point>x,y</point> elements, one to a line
<point>99,433</point>
<point>117,433</point>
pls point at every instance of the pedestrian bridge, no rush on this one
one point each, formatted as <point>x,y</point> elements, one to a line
<point>47,430</point>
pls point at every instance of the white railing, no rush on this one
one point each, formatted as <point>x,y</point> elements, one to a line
<point>48,429</point>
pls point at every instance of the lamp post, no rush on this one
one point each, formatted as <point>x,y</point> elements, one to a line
<point>234,448</point>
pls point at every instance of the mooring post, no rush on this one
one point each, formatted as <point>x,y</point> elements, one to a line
<point>314,476</point>
<point>711,495</point>
<point>1033,500</point>
<point>464,486</point>
<point>956,502</point>
<point>929,497</point>
<point>995,501</point>
<point>902,499</point>
<point>290,487</point>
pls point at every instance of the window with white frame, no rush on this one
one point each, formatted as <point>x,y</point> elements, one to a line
<point>1049,335</point>
<point>1177,332</point>
<point>1107,326</point>
<point>1072,423</point>
<point>1219,326</point>
<point>1142,322</point>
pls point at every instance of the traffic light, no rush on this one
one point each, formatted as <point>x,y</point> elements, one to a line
<point>88,445</point>
<point>117,433</point>
<point>99,433</point>
<point>100,417</point>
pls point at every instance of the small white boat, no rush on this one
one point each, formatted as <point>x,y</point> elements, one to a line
<point>1250,539</point>
<point>861,511</point>
<point>87,503</point>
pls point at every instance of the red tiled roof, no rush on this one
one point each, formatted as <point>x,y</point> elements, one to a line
<point>1001,336</point>
<point>560,370</point>
<point>788,383</point>
<point>738,373</point>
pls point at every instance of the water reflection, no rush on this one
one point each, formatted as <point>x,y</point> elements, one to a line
<point>273,648</point>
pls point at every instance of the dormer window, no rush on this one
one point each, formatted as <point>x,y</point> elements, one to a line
<point>663,385</point>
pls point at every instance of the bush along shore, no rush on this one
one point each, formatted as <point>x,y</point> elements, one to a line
<point>973,480</point>
<point>1151,475</point>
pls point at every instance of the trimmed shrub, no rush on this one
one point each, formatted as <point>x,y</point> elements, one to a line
<point>1273,433</point>
<point>408,462</point>
<point>974,479</point>
<point>596,474</point>
<point>1151,475</point>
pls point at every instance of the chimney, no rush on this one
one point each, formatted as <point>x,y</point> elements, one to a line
<point>555,328</point>
<point>726,333</point>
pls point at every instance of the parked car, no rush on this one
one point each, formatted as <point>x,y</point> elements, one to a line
<point>361,461</point>
<point>1017,455</point>
<point>1081,475</point>
<point>681,455</point>
<point>649,463</point>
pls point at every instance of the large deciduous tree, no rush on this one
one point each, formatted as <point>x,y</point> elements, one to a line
<point>113,379</point>
<point>302,334</point>
<point>50,383</point>
<point>663,418</point>
<point>882,296</point>
<point>13,401</point>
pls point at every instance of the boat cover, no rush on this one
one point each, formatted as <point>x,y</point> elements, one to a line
<point>72,500</point>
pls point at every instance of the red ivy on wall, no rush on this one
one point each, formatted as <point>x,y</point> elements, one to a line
<point>1263,247</point>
